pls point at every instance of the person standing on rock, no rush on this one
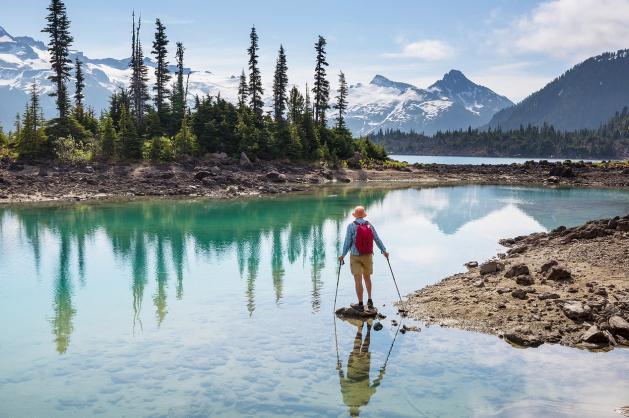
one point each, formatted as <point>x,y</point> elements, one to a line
<point>359,239</point>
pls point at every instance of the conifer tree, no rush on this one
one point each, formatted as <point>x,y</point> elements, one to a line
<point>130,142</point>
<point>280,85</point>
<point>79,86</point>
<point>321,88</point>
<point>162,74</point>
<point>139,75</point>
<point>243,90</point>
<point>58,29</point>
<point>108,139</point>
<point>341,102</point>
<point>178,97</point>
<point>32,139</point>
<point>255,79</point>
<point>295,106</point>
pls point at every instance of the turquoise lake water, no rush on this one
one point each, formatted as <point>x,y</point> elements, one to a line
<point>207,308</point>
<point>454,160</point>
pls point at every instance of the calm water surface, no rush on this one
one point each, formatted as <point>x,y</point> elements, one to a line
<point>454,160</point>
<point>183,308</point>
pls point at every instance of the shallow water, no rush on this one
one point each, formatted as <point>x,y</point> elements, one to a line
<point>456,160</point>
<point>202,308</point>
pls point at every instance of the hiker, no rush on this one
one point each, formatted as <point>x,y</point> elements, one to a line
<point>359,238</point>
<point>356,389</point>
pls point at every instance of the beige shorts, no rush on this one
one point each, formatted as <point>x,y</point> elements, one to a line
<point>361,264</point>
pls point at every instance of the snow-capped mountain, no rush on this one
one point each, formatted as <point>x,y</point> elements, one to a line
<point>24,60</point>
<point>453,102</point>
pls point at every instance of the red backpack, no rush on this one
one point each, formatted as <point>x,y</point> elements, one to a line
<point>364,238</point>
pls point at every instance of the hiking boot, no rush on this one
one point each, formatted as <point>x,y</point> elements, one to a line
<point>358,306</point>
<point>370,304</point>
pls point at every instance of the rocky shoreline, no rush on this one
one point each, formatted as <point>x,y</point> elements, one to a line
<point>569,286</point>
<point>224,177</point>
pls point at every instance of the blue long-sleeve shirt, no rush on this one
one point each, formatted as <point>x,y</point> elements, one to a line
<point>350,239</point>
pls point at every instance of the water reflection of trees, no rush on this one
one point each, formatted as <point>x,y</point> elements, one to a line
<point>163,232</point>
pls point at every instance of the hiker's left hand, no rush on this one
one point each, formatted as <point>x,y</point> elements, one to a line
<point>386,255</point>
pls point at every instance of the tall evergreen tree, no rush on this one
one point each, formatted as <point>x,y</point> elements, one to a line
<point>139,75</point>
<point>341,102</point>
<point>255,79</point>
<point>162,74</point>
<point>58,29</point>
<point>280,85</point>
<point>321,88</point>
<point>178,97</point>
<point>243,90</point>
<point>31,140</point>
<point>79,86</point>
<point>296,105</point>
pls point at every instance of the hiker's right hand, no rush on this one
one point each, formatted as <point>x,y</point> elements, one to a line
<point>341,259</point>
<point>386,255</point>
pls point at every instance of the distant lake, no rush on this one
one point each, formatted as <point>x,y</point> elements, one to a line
<point>443,159</point>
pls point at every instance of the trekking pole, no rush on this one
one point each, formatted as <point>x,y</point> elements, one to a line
<point>396,288</point>
<point>338,276</point>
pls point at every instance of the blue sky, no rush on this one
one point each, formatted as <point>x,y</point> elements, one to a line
<point>513,47</point>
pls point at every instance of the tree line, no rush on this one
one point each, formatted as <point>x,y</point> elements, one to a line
<point>157,123</point>
<point>610,140</point>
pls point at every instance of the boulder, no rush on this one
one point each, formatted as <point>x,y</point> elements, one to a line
<point>245,162</point>
<point>561,171</point>
<point>524,280</point>
<point>577,311</point>
<point>276,177</point>
<point>344,179</point>
<point>623,226</point>
<point>559,273</point>
<point>547,265</point>
<point>547,295</point>
<point>595,335</point>
<point>619,326</point>
<point>519,294</point>
<point>488,267</point>
<point>517,270</point>
<point>215,170</point>
<point>522,339</point>
<point>201,175</point>
<point>471,264</point>
<point>552,180</point>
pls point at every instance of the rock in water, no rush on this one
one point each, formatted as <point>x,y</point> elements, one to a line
<point>350,312</point>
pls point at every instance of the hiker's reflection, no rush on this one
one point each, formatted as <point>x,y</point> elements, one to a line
<point>355,386</point>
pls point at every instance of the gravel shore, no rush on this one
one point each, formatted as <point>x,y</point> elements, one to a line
<point>225,177</point>
<point>569,286</point>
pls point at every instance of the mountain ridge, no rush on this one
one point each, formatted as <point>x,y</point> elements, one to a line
<point>584,96</point>
<point>453,102</point>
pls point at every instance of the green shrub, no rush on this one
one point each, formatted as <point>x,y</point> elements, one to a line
<point>67,150</point>
<point>158,148</point>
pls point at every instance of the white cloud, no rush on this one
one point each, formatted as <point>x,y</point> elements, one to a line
<point>424,49</point>
<point>573,29</point>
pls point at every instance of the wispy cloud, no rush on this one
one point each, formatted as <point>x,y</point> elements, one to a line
<point>423,49</point>
<point>568,29</point>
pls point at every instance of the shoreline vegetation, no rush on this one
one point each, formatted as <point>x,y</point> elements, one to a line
<point>569,286</point>
<point>160,122</point>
